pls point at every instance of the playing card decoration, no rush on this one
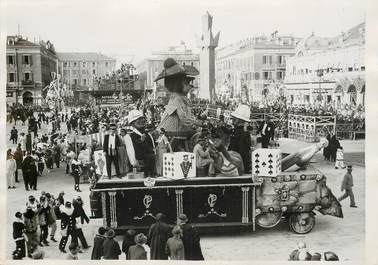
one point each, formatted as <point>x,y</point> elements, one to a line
<point>266,162</point>
<point>179,165</point>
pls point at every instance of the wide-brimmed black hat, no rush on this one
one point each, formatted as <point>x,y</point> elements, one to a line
<point>171,68</point>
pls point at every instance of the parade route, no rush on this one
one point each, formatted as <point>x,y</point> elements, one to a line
<point>343,236</point>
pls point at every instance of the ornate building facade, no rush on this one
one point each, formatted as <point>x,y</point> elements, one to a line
<point>29,68</point>
<point>328,71</point>
<point>251,68</point>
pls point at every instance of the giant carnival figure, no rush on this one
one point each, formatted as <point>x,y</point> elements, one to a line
<point>178,121</point>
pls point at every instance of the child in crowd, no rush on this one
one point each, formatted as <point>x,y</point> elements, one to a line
<point>175,246</point>
<point>74,250</point>
<point>339,158</point>
<point>137,251</point>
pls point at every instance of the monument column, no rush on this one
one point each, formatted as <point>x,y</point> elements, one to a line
<point>207,44</point>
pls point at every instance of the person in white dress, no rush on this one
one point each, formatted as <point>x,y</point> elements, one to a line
<point>11,170</point>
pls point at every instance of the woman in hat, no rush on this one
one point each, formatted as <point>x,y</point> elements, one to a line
<point>122,155</point>
<point>162,147</point>
<point>178,119</point>
<point>137,251</point>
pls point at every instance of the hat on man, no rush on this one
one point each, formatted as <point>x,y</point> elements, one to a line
<point>349,167</point>
<point>140,239</point>
<point>110,233</point>
<point>171,68</point>
<point>134,115</point>
<point>112,126</point>
<point>242,112</point>
<point>68,204</point>
<point>182,217</point>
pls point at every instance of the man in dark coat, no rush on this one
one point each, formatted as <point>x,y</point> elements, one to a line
<point>158,235</point>
<point>111,247</point>
<point>191,239</point>
<point>347,185</point>
<point>29,172</point>
<point>98,244</point>
<point>57,154</point>
<point>31,229</point>
<point>240,140</point>
<point>29,142</point>
<point>19,157</point>
<point>14,135</point>
<point>267,132</point>
<point>111,142</point>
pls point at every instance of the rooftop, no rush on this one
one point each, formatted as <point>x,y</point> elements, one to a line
<point>84,56</point>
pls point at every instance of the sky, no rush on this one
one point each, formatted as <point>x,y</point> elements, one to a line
<point>133,29</point>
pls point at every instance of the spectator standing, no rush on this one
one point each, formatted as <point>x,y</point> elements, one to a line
<point>11,170</point>
<point>158,235</point>
<point>175,246</point>
<point>98,244</point>
<point>18,156</point>
<point>43,224</point>
<point>31,227</point>
<point>57,154</point>
<point>14,135</point>
<point>18,235</point>
<point>128,241</point>
<point>110,246</point>
<point>137,251</point>
<point>80,216</point>
<point>191,239</point>
<point>51,216</point>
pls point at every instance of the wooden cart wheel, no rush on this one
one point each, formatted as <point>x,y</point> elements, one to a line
<point>268,220</point>
<point>302,223</point>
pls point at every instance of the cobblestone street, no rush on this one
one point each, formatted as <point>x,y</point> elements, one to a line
<point>343,236</point>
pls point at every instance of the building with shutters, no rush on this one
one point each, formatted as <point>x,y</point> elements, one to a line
<point>29,67</point>
<point>151,67</point>
<point>252,68</point>
<point>328,71</point>
<point>79,70</point>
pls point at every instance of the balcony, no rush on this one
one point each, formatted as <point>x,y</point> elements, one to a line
<point>27,83</point>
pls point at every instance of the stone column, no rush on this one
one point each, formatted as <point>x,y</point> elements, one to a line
<point>179,201</point>
<point>113,209</point>
<point>103,201</point>
<point>245,218</point>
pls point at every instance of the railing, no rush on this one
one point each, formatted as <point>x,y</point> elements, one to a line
<point>310,128</point>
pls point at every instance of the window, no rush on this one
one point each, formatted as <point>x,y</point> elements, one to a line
<point>350,69</point>
<point>94,71</point>
<point>266,75</point>
<point>26,59</point>
<point>362,68</point>
<point>75,81</point>
<point>106,64</point>
<point>84,82</point>
<point>27,76</point>
<point>267,59</point>
<point>191,63</point>
<point>11,77</point>
<point>65,64</point>
<point>75,64</point>
<point>84,64</point>
<point>11,59</point>
<point>257,76</point>
<point>280,75</point>
<point>94,64</point>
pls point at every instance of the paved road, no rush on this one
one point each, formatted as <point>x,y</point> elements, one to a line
<point>343,236</point>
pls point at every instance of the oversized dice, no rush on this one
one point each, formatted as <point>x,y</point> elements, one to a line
<point>179,165</point>
<point>266,162</point>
